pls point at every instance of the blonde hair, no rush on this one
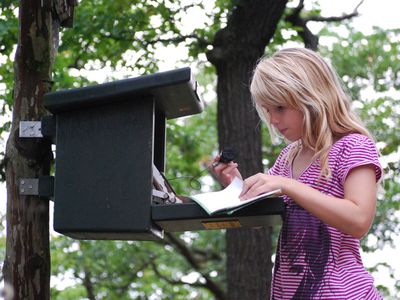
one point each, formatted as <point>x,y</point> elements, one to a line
<point>301,79</point>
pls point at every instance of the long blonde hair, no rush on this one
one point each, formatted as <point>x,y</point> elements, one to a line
<point>301,79</point>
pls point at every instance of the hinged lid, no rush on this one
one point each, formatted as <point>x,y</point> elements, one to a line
<point>174,92</point>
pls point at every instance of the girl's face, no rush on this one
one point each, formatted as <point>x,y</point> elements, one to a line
<point>288,121</point>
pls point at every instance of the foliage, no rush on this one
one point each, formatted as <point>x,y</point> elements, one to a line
<point>135,270</point>
<point>370,70</point>
<point>191,140</point>
<point>130,39</point>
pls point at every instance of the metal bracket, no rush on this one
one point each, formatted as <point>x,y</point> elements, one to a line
<point>42,186</point>
<point>160,197</point>
<point>38,129</point>
<point>30,129</point>
<point>159,194</point>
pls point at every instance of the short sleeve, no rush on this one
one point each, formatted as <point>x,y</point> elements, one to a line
<point>358,150</point>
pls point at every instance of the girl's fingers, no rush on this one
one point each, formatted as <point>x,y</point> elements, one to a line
<point>224,172</point>
<point>248,183</point>
<point>253,186</point>
<point>230,168</point>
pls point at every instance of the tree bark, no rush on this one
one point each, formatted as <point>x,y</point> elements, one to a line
<point>27,263</point>
<point>236,49</point>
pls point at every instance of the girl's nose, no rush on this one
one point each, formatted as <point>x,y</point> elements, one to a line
<point>273,119</point>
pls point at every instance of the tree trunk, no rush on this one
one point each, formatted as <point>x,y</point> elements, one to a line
<point>27,263</point>
<point>236,49</point>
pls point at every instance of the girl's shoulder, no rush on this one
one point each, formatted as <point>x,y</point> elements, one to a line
<point>351,151</point>
<point>352,141</point>
<point>355,137</point>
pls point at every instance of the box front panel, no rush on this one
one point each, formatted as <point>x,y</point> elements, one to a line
<point>104,168</point>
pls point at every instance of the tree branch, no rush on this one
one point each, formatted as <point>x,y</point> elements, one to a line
<point>251,25</point>
<point>335,19</point>
<point>174,282</point>
<point>3,163</point>
<point>131,276</point>
<point>191,259</point>
<point>207,254</point>
<point>202,42</point>
<point>165,278</point>
<point>184,250</point>
<point>87,283</point>
<point>311,40</point>
<point>176,40</point>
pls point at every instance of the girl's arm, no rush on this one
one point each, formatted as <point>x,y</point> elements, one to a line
<point>352,215</point>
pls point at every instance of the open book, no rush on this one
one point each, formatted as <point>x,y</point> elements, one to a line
<point>227,200</point>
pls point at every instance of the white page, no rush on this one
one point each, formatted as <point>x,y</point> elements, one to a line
<point>225,199</point>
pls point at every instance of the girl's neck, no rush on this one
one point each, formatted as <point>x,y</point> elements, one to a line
<point>301,161</point>
<point>304,150</point>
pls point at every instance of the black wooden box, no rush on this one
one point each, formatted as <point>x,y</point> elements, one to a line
<point>109,138</point>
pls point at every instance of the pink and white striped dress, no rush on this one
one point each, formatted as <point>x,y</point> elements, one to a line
<point>314,260</point>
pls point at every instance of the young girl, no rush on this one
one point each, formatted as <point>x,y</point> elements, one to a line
<point>328,175</point>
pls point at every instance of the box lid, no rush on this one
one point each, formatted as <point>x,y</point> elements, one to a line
<point>175,93</point>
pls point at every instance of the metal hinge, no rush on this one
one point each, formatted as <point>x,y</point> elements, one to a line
<point>38,129</point>
<point>30,129</point>
<point>42,186</point>
<point>160,197</point>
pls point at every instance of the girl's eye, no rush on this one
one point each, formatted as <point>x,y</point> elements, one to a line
<point>265,109</point>
<point>279,108</point>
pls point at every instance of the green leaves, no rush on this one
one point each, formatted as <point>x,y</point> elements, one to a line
<point>105,32</point>
<point>120,269</point>
<point>191,145</point>
<point>369,67</point>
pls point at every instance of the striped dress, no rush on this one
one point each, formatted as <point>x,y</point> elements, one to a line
<point>314,260</point>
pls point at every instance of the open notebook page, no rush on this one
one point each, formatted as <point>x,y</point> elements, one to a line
<point>226,199</point>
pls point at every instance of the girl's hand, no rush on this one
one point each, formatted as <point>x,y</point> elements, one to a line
<point>224,173</point>
<point>260,184</point>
